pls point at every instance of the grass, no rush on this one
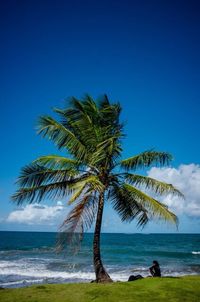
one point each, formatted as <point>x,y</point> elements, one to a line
<point>145,290</point>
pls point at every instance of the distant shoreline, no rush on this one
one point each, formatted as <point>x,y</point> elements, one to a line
<point>121,233</point>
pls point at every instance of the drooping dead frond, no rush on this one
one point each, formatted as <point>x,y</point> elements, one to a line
<point>77,222</point>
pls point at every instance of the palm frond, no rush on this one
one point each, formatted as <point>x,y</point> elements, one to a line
<point>156,186</point>
<point>78,192</point>
<point>37,183</point>
<point>105,151</point>
<point>89,184</point>
<point>127,206</point>
<point>77,222</point>
<point>61,136</point>
<point>36,175</point>
<point>53,161</point>
<point>155,208</point>
<point>82,119</point>
<point>146,159</point>
<point>37,193</point>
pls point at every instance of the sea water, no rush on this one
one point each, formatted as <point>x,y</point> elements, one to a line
<point>30,258</point>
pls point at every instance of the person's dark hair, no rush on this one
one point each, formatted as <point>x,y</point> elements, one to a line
<point>156,263</point>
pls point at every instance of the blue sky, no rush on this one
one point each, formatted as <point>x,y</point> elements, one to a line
<point>144,54</point>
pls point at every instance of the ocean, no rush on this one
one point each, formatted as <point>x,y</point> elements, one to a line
<point>29,257</point>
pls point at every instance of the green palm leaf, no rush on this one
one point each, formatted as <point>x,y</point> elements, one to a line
<point>154,207</point>
<point>158,187</point>
<point>82,120</point>
<point>61,136</point>
<point>146,159</point>
<point>107,151</point>
<point>53,161</point>
<point>89,184</point>
<point>35,175</point>
<point>127,206</point>
<point>78,192</point>
<point>39,193</point>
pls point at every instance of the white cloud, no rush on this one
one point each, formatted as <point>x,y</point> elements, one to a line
<point>187,179</point>
<point>36,214</point>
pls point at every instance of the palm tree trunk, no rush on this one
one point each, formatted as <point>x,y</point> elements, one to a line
<point>101,274</point>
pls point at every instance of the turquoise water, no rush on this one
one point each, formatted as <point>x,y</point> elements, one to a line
<point>29,257</point>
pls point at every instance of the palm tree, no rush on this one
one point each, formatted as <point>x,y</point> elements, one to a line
<point>92,172</point>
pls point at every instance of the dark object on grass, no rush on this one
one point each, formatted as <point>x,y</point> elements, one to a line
<point>155,269</point>
<point>133,278</point>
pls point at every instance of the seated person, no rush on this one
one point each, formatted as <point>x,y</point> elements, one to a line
<point>155,269</point>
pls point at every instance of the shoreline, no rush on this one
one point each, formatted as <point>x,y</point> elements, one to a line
<point>41,282</point>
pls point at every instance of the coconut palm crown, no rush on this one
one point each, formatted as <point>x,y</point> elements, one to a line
<point>92,172</point>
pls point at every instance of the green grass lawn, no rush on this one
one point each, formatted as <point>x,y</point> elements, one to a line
<point>149,289</point>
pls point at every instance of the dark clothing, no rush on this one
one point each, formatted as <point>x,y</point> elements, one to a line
<point>133,278</point>
<point>155,270</point>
